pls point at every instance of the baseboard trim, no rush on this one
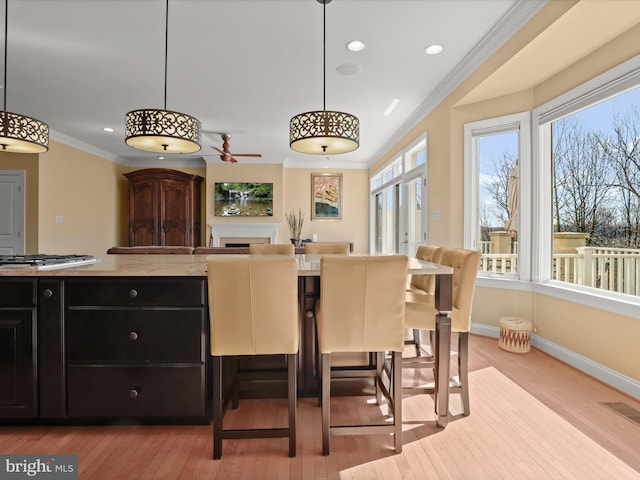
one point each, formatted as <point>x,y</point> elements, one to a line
<point>615,379</point>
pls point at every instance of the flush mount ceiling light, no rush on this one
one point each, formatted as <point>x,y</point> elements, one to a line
<point>19,133</point>
<point>163,131</point>
<point>324,132</point>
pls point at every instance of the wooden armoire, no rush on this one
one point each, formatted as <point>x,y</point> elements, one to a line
<point>164,207</point>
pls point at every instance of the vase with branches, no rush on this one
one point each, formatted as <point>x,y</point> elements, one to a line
<point>295,223</point>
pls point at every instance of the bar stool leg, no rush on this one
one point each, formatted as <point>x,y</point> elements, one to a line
<point>217,407</point>
<point>326,395</point>
<point>292,364</point>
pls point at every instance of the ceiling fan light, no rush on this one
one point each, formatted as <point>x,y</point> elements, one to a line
<point>162,131</point>
<point>22,134</point>
<point>324,132</point>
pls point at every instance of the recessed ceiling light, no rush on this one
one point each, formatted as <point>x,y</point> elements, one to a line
<point>108,129</point>
<point>433,49</point>
<point>391,107</point>
<point>348,69</point>
<point>161,158</point>
<point>356,46</point>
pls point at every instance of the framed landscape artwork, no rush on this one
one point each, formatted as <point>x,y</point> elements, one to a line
<point>326,196</point>
<point>243,199</point>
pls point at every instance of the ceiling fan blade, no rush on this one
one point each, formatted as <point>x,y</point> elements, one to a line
<point>248,154</point>
<point>233,160</point>
<point>217,149</point>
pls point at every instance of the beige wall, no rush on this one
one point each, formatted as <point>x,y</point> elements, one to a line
<point>82,189</point>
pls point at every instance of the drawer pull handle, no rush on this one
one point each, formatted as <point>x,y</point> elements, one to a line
<point>133,293</point>
<point>134,392</point>
<point>133,336</point>
<point>48,293</point>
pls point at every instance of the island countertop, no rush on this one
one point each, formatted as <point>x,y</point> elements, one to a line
<point>176,265</point>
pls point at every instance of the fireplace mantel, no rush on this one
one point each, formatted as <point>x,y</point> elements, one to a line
<point>243,230</point>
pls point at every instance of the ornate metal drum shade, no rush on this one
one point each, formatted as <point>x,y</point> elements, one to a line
<point>162,131</point>
<point>21,134</point>
<point>324,132</point>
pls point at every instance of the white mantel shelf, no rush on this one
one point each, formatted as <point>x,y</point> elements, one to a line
<point>243,230</point>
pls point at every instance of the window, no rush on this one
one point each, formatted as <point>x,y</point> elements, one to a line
<point>397,193</point>
<point>496,158</point>
<point>589,150</point>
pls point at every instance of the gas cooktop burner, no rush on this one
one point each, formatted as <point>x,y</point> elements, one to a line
<point>42,261</point>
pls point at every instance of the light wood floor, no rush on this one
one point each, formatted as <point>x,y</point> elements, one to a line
<point>532,417</point>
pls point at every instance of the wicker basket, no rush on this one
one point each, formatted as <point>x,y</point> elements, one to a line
<point>515,335</point>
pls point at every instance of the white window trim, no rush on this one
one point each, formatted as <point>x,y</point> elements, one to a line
<point>613,82</point>
<point>508,123</point>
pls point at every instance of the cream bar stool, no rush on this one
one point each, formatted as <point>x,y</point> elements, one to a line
<point>421,312</point>
<point>335,248</point>
<point>424,285</point>
<point>271,248</point>
<point>253,310</point>
<point>361,309</point>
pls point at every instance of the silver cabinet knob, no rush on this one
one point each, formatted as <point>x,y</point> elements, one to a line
<point>133,336</point>
<point>133,393</point>
<point>47,292</point>
<point>133,293</point>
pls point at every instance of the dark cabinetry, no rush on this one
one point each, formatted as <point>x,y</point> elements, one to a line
<point>136,347</point>
<point>17,348</point>
<point>164,207</point>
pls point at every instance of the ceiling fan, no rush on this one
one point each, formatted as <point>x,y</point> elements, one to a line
<point>226,155</point>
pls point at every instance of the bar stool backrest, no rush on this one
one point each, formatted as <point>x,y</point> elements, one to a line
<point>362,303</point>
<point>271,248</point>
<point>253,305</point>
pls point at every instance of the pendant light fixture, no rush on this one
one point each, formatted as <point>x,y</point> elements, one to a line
<point>163,131</point>
<point>19,133</point>
<point>324,132</point>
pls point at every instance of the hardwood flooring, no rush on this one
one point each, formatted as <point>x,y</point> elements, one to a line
<point>532,417</point>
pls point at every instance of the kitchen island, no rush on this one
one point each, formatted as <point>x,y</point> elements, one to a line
<point>126,339</point>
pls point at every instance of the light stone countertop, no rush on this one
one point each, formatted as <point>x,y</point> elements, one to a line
<point>177,265</point>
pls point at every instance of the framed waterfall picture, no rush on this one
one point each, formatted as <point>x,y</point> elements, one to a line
<point>326,196</point>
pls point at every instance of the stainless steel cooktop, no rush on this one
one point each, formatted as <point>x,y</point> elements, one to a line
<point>44,262</point>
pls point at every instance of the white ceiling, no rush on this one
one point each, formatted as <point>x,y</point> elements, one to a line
<point>243,66</point>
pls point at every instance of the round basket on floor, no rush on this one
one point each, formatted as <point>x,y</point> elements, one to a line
<point>515,335</point>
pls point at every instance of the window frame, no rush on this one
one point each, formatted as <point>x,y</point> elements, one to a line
<point>606,85</point>
<point>520,122</point>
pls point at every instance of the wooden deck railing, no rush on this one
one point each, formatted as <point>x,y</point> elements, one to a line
<point>611,269</point>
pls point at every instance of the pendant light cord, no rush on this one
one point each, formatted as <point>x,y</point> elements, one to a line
<point>166,48</point>
<point>6,27</point>
<point>324,55</point>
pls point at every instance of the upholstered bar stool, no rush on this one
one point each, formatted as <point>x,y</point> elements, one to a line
<point>253,310</point>
<point>424,285</point>
<point>271,248</point>
<point>421,312</point>
<point>361,309</point>
<point>335,248</point>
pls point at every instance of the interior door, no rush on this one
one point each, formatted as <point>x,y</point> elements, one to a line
<point>12,212</point>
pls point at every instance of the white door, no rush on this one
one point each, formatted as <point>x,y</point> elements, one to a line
<point>12,212</point>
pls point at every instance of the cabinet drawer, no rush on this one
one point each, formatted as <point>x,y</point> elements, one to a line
<point>168,391</point>
<point>136,335</point>
<point>17,292</point>
<point>136,291</point>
